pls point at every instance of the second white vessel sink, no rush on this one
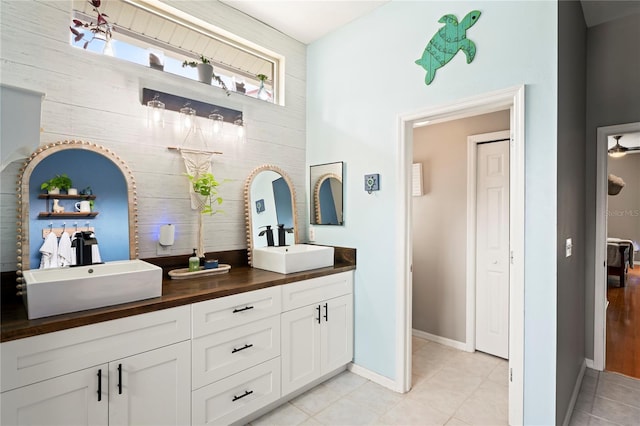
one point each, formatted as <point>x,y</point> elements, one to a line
<point>62,290</point>
<point>289,259</point>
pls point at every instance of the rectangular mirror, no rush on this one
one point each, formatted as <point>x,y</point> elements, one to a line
<point>326,194</point>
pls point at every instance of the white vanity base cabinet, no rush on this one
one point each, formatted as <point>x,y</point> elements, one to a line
<point>71,399</point>
<point>233,398</point>
<point>128,371</point>
<point>317,333</point>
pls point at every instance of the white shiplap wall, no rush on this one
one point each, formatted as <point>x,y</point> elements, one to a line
<point>95,98</point>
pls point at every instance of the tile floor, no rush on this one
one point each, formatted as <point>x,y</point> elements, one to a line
<point>450,387</point>
<point>607,399</point>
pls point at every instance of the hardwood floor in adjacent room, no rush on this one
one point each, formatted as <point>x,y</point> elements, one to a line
<point>623,325</point>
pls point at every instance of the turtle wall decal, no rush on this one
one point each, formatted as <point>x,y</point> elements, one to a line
<point>444,44</point>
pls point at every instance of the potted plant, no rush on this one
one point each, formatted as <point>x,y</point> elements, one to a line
<point>205,185</point>
<point>100,29</point>
<point>57,183</point>
<point>205,72</point>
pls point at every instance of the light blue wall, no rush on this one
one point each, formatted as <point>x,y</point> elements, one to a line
<point>360,79</point>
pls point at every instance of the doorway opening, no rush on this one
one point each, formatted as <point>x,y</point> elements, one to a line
<point>603,262</point>
<point>513,100</point>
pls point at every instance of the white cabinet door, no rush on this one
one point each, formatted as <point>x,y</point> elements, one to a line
<point>152,388</point>
<point>337,333</point>
<point>71,399</point>
<point>300,338</point>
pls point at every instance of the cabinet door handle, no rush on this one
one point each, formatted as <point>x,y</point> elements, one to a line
<point>119,379</point>
<point>100,385</point>
<point>242,348</point>
<point>326,311</point>
<point>235,398</point>
<point>246,308</point>
<point>318,308</point>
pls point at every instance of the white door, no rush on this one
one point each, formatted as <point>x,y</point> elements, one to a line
<point>71,399</point>
<point>300,337</point>
<point>492,248</point>
<point>152,388</point>
<point>337,333</point>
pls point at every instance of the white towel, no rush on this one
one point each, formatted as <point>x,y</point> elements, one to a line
<point>65,253</point>
<point>49,252</point>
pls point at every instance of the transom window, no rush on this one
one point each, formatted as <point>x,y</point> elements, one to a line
<point>160,37</point>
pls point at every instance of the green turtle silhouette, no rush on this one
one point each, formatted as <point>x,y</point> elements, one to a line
<point>446,42</point>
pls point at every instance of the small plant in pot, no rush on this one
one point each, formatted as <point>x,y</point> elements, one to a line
<point>205,72</point>
<point>56,184</point>
<point>101,29</point>
<point>205,185</point>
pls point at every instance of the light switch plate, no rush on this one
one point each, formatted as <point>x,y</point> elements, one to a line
<point>372,182</point>
<point>568,247</point>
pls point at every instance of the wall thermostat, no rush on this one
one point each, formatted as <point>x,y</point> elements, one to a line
<point>372,183</point>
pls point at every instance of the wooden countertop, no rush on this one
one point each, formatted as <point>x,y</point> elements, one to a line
<point>15,325</point>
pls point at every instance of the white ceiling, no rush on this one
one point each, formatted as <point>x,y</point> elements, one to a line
<point>309,20</point>
<point>305,20</point>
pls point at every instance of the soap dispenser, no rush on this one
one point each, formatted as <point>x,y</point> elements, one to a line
<point>194,262</point>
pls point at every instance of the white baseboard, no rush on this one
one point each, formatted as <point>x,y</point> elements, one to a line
<point>589,363</point>
<point>442,340</point>
<point>374,377</point>
<point>574,395</point>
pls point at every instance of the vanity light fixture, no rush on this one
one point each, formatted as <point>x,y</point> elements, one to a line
<point>216,122</point>
<point>189,109</point>
<point>187,116</point>
<point>155,113</point>
<point>618,151</point>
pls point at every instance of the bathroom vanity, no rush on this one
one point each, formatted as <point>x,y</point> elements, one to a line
<point>212,350</point>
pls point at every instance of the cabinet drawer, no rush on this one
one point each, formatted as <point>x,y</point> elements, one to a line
<point>237,396</point>
<point>219,314</point>
<point>42,357</point>
<point>222,354</point>
<point>304,293</point>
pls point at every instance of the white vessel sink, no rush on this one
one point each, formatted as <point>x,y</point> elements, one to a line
<point>295,258</point>
<point>61,290</point>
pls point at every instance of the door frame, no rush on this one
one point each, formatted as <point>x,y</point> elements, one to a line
<point>472,158</point>
<point>600,257</point>
<point>510,98</point>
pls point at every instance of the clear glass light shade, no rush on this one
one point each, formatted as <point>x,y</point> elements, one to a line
<point>239,127</point>
<point>216,123</point>
<point>155,113</point>
<point>187,117</point>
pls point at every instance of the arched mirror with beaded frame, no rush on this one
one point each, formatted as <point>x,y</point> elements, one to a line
<point>264,206</point>
<point>330,181</point>
<point>68,151</point>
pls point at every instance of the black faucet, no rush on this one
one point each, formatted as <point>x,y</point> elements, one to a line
<point>82,244</point>
<point>269,233</point>
<point>282,234</point>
